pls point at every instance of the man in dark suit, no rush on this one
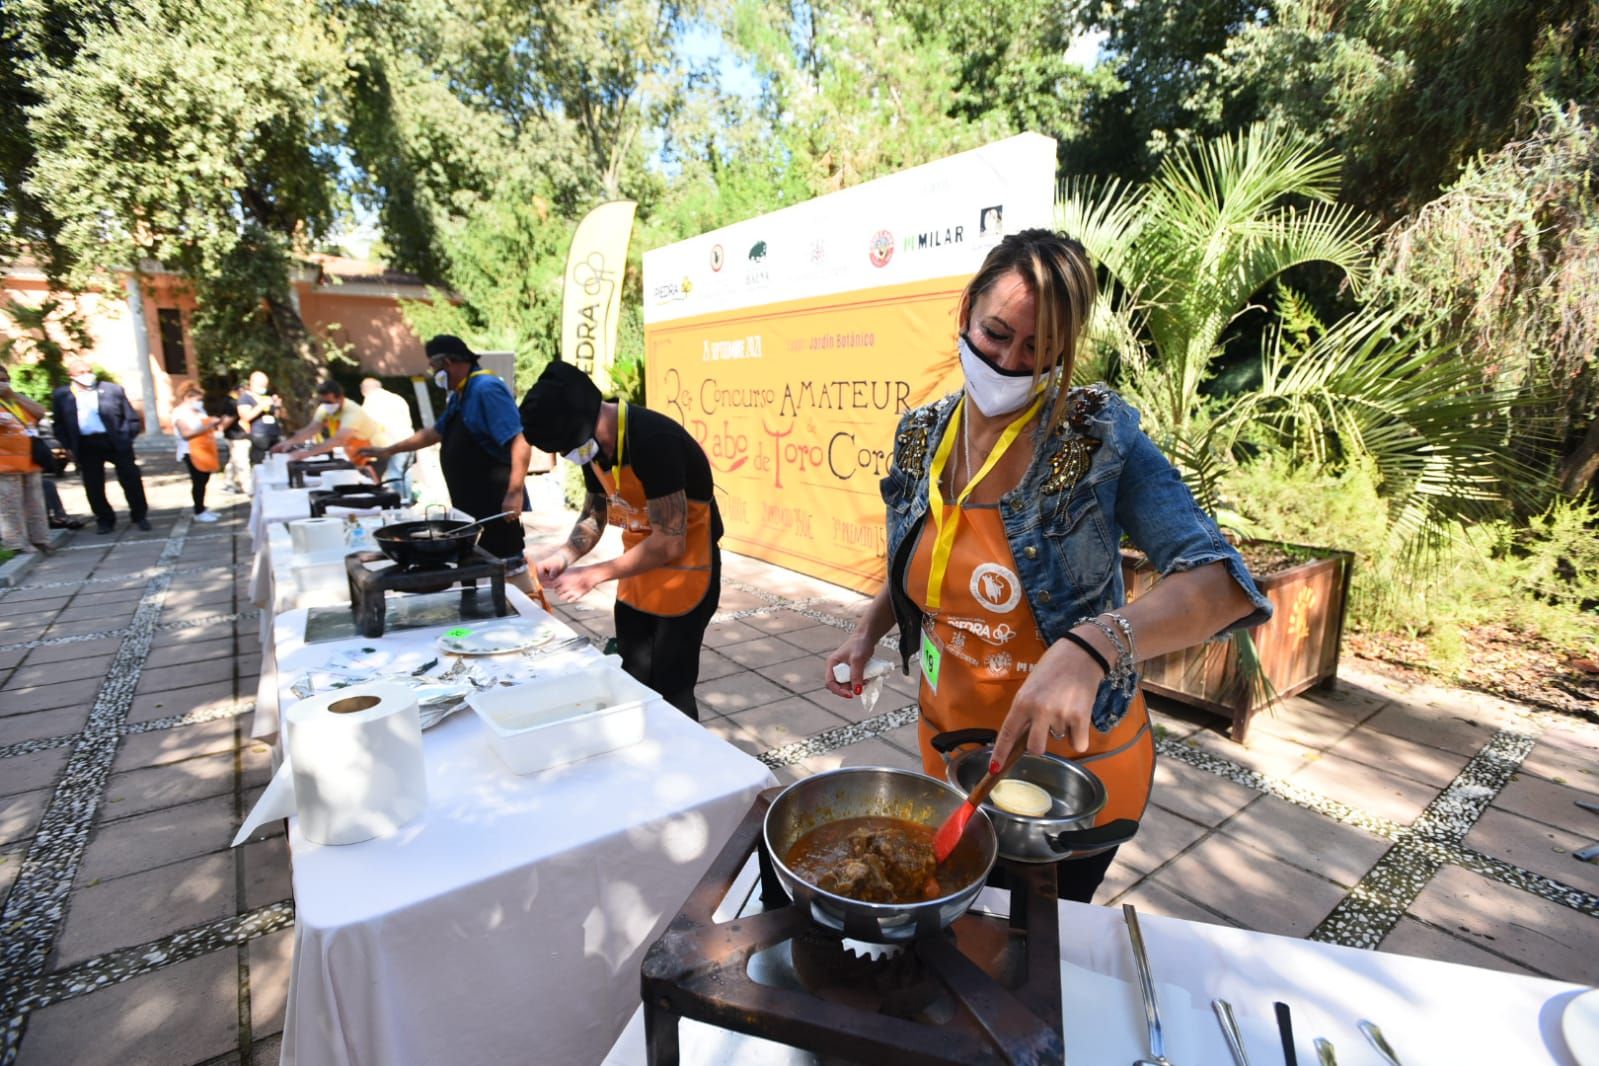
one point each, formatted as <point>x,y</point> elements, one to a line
<point>96,423</point>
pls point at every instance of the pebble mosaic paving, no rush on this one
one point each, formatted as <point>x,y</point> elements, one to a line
<point>38,901</point>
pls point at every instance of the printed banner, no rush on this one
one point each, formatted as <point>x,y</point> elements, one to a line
<point>592,299</point>
<point>791,344</point>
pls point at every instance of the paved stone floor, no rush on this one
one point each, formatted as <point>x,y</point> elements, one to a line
<point>1400,817</point>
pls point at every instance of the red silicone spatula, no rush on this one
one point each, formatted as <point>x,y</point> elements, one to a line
<point>949,834</point>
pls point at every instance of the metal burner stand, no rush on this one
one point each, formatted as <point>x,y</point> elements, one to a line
<point>699,969</point>
<point>373,497</point>
<point>367,587</point>
<point>299,468</point>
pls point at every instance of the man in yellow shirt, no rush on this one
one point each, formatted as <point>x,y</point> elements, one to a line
<point>338,423</point>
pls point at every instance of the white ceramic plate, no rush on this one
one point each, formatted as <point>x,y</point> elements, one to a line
<point>1579,1022</point>
<point>493,638</point>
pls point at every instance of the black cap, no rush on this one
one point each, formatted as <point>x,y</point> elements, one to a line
<point>451,347</point>
<point>561,409</point>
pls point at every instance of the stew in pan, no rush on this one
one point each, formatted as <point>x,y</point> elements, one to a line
<point>876,860</point>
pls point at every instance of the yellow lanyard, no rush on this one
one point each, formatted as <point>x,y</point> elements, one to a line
<point>945,542</point>
<point>621,435</point>
<point>18,412</point>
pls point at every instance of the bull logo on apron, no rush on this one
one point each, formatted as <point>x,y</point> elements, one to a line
<point>996,587</point>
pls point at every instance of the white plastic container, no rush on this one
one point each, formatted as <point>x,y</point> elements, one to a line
<point>563,718</point>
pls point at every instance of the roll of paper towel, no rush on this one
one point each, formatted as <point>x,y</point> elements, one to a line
<point>353,766</point>
<point>316,535</point>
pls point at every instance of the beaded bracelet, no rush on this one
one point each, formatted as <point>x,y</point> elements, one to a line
<point>1127,631</point>
<point>1122,676</point>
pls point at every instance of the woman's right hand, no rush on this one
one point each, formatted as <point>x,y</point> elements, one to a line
<point>853,653</point>
<point>551,567</point>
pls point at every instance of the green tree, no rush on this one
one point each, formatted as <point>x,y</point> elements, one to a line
<point>204,139</point>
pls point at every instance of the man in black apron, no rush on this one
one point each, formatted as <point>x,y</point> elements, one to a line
<point>484,455</point>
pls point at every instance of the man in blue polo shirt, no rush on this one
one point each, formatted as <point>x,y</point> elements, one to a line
<point>484,455</point>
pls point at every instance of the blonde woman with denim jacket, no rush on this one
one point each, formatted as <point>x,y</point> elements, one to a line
<point>1006,505</point>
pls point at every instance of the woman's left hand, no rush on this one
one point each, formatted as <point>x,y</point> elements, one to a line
<point>574,583</point>
<point>1056,699</point>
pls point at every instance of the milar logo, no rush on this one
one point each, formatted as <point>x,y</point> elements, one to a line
<point>881,250</point>
<point>991,222</point>
<point>935,238</point>
<point>718,257</point>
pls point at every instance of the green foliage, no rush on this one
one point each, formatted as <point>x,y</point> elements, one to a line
<point>1509,255</point>
<point>1188,252</point>
<point>38,340</point>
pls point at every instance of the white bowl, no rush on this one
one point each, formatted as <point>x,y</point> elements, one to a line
<point>563,717</point>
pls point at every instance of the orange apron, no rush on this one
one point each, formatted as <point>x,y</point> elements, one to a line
<point>667,591</point>
<point>16,443</point>
<point>987,642</point>
<point>353,446</point>
<point>203,453</point>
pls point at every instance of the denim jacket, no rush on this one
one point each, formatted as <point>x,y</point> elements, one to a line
<point>1090,480</point>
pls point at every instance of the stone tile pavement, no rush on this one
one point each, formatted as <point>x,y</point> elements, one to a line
<point>1382,814</point>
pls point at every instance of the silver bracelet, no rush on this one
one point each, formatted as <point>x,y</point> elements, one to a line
<point>1122,677</point>
<point>1127,631</point>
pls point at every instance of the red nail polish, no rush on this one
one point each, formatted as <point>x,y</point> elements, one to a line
<point>994,766</point>
<point>858,689</point>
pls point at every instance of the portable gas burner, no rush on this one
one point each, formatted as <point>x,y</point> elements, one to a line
<point>299,469</point>
<point>985,990</point>
<point>369,587</point>
<point>363,497</point>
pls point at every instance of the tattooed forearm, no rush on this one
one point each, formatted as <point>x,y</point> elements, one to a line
<point>669,514</point>
<point>590,524</point>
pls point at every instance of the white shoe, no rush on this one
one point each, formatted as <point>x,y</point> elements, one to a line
<point>208,516</point>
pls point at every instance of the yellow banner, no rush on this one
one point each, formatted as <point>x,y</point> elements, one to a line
<point>592,300</point>
<point>795,405</point>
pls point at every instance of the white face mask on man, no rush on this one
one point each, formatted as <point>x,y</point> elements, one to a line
<point>84,381</point>
<point>584,453</point>
<point>441,378</point>
<point>331,409</point>
<point>995,392</point>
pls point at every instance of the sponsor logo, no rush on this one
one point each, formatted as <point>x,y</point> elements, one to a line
<point>818,251</point>
<point>758,275</point>
<point>996,587</point>
<point>672,291</point>
<point>999,635</point>
<point>991,222</point>
<point>998,663</point>
<point>929,240</point>
<point>758,252</point>
<point>718,257</point>
<point>881,248</point>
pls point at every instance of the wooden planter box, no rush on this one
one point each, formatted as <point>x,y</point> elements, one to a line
<point>1298,647</point>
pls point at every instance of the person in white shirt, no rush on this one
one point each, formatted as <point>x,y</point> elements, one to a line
<point>197,445</point>
<point>394,415</point>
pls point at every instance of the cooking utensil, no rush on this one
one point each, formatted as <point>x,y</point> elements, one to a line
<point>1587,854</point>
<point>1146,985</point>
<point>1374,1035</point>
<point>1324,1052</point>
<point>1285,1029</point>
<point>481,522</point>
<point>949,834</point>
<point>1229,1030</point>
<point>1077,797</point>
<point>876,791</point>
<point>427,543</point>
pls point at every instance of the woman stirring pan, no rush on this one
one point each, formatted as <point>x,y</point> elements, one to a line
<point>1006,506</point>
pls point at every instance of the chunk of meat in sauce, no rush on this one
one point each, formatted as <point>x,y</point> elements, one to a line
<point>875,860</point>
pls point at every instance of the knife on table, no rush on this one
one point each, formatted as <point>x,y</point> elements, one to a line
<point>1285,1026</point>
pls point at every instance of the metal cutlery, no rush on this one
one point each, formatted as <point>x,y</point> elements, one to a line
<point>1374,1035</point>
<point>1285,1028</point>
<point>1146,985</point>
<point>1324,1052</point>
<point>1229,1030</point>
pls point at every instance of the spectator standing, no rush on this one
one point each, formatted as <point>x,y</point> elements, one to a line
<point>95,422</point>
<point>197,445</point>
<point>260,414</point>
<point>394,415</point>
<point>23,524</point>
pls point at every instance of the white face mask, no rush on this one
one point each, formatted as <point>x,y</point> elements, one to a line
<point>442,379</point>
<point>584,453</point>
<point>84,381</point>
<point>994,391</point>
<point>330,409</point>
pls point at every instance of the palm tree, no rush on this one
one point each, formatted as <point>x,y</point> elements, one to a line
<point>1187,253</point>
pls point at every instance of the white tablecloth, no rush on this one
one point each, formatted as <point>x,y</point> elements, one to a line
<point>1430,1012</point>
<point>509,923</point>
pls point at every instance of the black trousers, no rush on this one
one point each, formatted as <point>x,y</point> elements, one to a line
<point>96,450</point>
<point>197,480</point>
<point>664,653</point>
<point>1078,879</point>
